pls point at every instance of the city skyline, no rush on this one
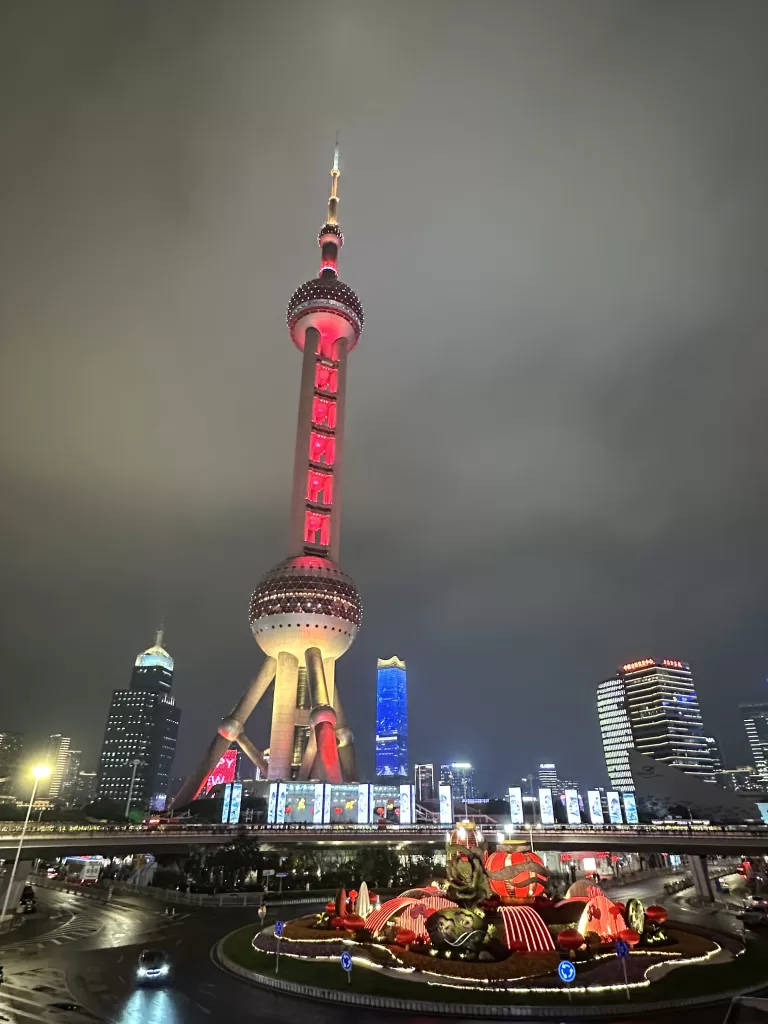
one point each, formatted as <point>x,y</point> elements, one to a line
<point>506,488</point>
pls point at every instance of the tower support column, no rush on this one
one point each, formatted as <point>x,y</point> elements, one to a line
<point>283,714</point>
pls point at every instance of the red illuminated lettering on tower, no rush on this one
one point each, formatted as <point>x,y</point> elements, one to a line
<point>319,487</point>
<point>322,448</point>
<point>324,412</point>
<point>326,378</point>
<point>317,523</point>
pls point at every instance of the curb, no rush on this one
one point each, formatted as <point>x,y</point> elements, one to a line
<point>421,1006</point>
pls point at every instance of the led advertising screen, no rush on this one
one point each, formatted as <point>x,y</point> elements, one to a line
<point>546,810</point>
<point>224,770</point>
<point>327,805</point>
<point>385,804</point>
<point>446,805</point>
<point>344,807</point>
<point>614,808</point>
<point>300,802</point>
<point>516,815</point>
<point>630,808</point>
<point>595,807</point>
<point>763,808</point>
<point>225,805</point>
<point>272,808</point>
<point>572,809</point>
<point>237,799</point>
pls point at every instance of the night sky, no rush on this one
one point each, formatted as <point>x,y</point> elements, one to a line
<point>555,217</point>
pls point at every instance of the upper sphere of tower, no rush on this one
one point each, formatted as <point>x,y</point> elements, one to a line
<point>326,294</point>
<point>306,601</point>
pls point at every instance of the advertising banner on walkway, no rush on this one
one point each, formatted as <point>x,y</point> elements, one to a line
<point>237,799</point>
<point>446,805</point>
<point>614,808</point>
<point>630,808</point>
<point>516,815</point>
<point>225,805</point>
<point>595,807</point>
<point>546,810</point>
<point>572,809</point>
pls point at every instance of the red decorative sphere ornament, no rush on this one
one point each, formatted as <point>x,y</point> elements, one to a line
<point>516,875</point>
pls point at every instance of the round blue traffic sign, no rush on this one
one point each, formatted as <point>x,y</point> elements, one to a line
<point>566,970</point>
<point>346,961</point>
<point>622,948</point>
<point>279,929</point>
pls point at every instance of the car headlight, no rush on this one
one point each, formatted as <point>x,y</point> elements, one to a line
<point>141,972</point>
<point>164,969</point>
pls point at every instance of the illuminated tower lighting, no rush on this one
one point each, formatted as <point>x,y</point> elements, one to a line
<point>306,612</point>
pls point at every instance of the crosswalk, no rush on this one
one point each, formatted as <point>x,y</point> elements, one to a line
<point>41,996</point>
<point>60,937</point>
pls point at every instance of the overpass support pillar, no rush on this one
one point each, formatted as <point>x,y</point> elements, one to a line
<point>23,869</point>
<point>701,880</point>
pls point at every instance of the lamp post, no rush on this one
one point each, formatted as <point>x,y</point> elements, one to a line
<point>41,772</point>
<point>135,763</point>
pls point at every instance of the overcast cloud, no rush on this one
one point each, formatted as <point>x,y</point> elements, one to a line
<point>555,217</point>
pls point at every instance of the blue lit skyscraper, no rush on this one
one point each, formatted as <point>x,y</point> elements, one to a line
<point>391,719</point>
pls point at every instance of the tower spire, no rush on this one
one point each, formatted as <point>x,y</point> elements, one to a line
<point>333,201</point>
<point>159,634</point>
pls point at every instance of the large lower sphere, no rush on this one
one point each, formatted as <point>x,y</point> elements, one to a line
<point>305,602</point>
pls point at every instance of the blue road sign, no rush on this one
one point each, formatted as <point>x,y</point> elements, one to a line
<point>566,970</point>
<point>279,929</point>
<point>346,961</point>
<point>622,948</point>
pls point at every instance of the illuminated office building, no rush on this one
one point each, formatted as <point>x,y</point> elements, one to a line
<point>391,718</point>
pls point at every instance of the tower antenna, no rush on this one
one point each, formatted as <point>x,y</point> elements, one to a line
<point>333,201</point>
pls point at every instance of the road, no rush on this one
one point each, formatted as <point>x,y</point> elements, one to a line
<point>87,958</point>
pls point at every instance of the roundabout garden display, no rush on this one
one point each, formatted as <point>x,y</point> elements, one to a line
<point>491,927</point>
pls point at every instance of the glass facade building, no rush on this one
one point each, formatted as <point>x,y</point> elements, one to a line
<point>391,719</point>
<point>755,718</point>
<point>548,776</point>
<point>616,732</point>
<point>11,744</point>
<point>652,707</point>
<point>142,730</point>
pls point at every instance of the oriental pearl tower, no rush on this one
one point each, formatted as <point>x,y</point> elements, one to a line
<point>306,611</point>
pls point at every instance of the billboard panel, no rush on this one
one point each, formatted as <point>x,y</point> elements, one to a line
<point>281,797</point>
<point>446,805</point>
<point>225,805</point>
<point>595,807</point>
<point>406,804</point>
<point>630,808</point>
<point>546,810</point>
<point>614,808</point>
<point>237,799</point>
<point>224,770</point>
<point>363,803</point>
<point>516,815</point>
<point>272,808</point>
<point>327,805</point>
<point>317,804</point>
<point>572,809</point>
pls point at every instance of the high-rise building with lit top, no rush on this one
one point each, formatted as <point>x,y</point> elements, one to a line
<point>652,706</point>
<point>11,744</point>
<point>424,781</point>
<point>755,718</point>
<point>548,776</point>
<point>57,759</point>
<point>391,718</point>
<point>460,776</point>
<point>142,727</point>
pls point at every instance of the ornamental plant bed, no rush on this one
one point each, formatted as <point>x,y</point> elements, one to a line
<point>523,965</point>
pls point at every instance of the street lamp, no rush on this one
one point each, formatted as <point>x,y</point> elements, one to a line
<point>41,772</point>
<point>135,763</point>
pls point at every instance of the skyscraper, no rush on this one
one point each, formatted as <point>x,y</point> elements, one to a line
<point>652,707</point>
<point>616,732</point>
<point>305,613</point>
<point>460,776</point>
<point>69,780</point>
<point>424,781</point>
<point>548,776</point>
<point>141,732</point>
<point>755,718</point>
<point>57,759</point>
<point>391,718</point>
<point>10,760</point>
